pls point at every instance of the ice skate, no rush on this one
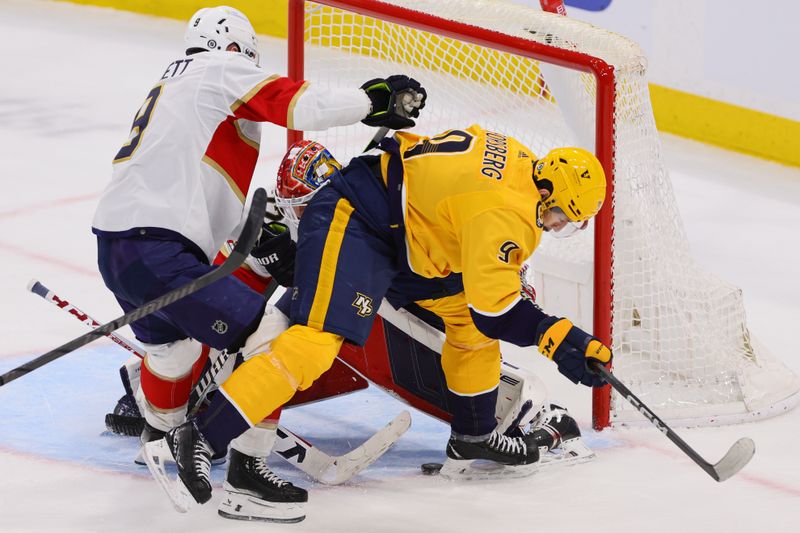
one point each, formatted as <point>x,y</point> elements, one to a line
<point>558,438</point>
<point>186,447</point>
<point>150,434</point>
<point>498,456</point>
<point>254,492</point>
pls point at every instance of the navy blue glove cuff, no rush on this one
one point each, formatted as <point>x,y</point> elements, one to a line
<point>519,325</point>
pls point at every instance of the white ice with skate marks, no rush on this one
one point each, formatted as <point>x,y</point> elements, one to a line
<point>74,76</point>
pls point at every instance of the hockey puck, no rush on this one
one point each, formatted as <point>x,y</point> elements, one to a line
<point>431,469</point>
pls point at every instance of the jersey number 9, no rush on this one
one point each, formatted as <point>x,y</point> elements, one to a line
<point>140,122</point>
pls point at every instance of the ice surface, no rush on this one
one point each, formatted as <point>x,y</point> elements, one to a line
<point>73,76</point>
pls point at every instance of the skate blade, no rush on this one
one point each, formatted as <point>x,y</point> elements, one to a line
<point>156,454</point>
<point>570,452</point>
<point>242,506</point>
<point>480,470</point>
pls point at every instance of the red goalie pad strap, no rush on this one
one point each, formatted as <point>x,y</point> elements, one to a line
<point>167,394</point>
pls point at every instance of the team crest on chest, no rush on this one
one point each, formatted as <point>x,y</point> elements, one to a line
<point>505,250</point>
<point>364,305</point>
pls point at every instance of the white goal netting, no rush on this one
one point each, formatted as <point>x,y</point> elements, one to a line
<point>680,336</point>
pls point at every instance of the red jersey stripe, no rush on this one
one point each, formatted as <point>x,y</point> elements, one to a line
<point>233,155</point>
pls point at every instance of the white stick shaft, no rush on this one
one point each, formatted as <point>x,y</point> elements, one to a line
<point>39,289</point>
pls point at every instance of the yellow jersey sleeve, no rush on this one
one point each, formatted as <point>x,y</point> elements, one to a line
<point>494,244</point>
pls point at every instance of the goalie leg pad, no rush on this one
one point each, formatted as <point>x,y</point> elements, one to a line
<point>130,373</point>
<point>521,398</point>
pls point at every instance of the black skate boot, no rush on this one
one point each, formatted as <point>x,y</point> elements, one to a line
<point>558,438</point>
<point>150,434</point>
<point>554,427</point>
<point>254,492</point>
<point>495,457</point>
<point>192,454</point>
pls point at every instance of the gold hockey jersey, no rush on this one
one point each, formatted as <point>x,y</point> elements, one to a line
<point>470,206</point>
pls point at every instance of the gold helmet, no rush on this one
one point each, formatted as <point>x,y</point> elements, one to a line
<point>576,180</point>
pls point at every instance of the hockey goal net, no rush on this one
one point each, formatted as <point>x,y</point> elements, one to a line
<point>679,334</point>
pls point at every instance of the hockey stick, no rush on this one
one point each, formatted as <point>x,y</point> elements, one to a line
<point>206,379</point>
<point>377,138</point>
<point>403,107</point>
<point>737,457</point>
<point>36,287</point>
<point>331,470</point>
<point>201,388</point>
<point>244,244</point>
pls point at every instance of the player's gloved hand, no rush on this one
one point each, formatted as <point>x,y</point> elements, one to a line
<point>395,101</point>
<point>274,253</point>
<point>571,348</point>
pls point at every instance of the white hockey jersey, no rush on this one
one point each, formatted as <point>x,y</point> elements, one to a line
<point>193,146</point>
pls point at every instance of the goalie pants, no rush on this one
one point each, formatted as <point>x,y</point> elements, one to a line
<point>344,267</point>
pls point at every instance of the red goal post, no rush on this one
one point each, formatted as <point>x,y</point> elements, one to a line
<point>476,49</point>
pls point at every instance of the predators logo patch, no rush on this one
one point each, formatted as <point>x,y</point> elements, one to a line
<point>364,305</point>
<point>505,250</point>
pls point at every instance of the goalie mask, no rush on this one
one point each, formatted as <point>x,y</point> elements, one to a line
<point>577,185</point>
<point>216,28</point>
<point>305,169</point>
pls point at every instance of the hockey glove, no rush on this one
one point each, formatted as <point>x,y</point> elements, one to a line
<point>274,252</point>
<point>395,101</point>
<point>570,347</point>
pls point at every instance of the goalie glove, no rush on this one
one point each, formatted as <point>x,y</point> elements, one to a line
<point>395,101</point>
<point>274,252</point>
<point>570,347</point>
